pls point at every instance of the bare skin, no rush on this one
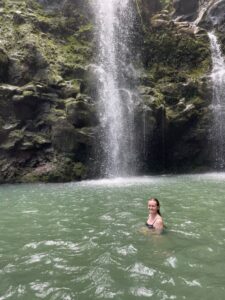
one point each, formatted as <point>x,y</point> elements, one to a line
<point>154,217</point>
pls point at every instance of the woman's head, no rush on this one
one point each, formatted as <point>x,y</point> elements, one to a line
<point>153,204</point>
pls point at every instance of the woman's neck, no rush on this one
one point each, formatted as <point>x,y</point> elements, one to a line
<point>153,215</point>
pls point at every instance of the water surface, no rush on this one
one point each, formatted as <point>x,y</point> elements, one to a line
<point>86,241</point>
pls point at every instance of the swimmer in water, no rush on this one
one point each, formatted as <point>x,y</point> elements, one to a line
<point>154,220</point>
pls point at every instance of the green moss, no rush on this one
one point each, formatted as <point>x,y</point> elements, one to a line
<point>63,170</point>
<point>61,42</point>
<point>167,4</point>
<point>79,171</point>
<point>14,138</point>
<point>3,58</point>
<point>175,65</point>
<point>196,101</point>
<point>85,32</point>
<point>175,50</point>
<point>34,5</point>
<point>28,93</point>
<point>75,51</point>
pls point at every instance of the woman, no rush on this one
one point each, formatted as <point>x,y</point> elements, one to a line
<point>154,220</point>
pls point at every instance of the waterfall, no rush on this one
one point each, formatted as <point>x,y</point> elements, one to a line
<point>218,104</point>
<point>116,79</point>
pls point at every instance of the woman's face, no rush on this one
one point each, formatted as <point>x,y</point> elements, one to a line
<point>152,206</point>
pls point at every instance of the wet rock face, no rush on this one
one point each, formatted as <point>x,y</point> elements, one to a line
<point>50,2</point>
<point>43,57</point>
<point>148,8</point>
<point>38,141</point>
<point>216,16</point>
<point>4,65</point>
<point>151,6</point>
<point>211,12</point>
<point>177,61</point>
<point>185,9</point>
<point>66,7</point>
<point>48,122</point>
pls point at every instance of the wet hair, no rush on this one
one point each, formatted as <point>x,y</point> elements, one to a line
<point>158,204</point>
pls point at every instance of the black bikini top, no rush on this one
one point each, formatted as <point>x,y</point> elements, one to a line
<point>151,226</point>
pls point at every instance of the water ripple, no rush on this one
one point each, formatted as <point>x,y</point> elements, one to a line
<point>10,268</point>
<point>44,289</point>
<point>67,269</point>
<point>9,293</point>
<point>101,283</point>
<point>66,253</point>
<point>193,282</point>
<point>170,281</point>
<point>142,292</point>
<point>171,261</point>
<point>30,211</point>
<point>140,269</point>
<point>106,217</point>
<point>126,250</point>
<point>59,243</point>
<point>105,259</point>
<point>36,258</point>
<point>185,233</point>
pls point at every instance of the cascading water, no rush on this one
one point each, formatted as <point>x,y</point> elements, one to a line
<point>218,104</point>
<point>115,86</point>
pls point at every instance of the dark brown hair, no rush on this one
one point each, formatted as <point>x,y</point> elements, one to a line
<point>158,204</point>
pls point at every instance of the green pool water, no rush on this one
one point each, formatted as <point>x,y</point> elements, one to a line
<point>87,240</point>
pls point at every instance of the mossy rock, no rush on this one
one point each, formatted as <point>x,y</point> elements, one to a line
<point>25,106</point>
<point>176,51</point>
<point>81,114</point>
<point>13,140</point>
<point>4,66</point>
<point>62,170</point>
<point>70,88</point>
<point>79,171</point>
<point>64,137</point>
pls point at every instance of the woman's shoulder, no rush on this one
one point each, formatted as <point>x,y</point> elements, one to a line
<point>159,222</point>
<point>159,219</point>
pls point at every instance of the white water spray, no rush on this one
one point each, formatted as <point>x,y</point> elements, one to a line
<point>116,91</point>
<point>218,104</point>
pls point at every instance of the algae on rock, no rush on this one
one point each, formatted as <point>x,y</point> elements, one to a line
<point>48,119</point>
<point>45,50</point>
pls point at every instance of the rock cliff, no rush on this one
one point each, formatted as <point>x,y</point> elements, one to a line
<point>48,119</point>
